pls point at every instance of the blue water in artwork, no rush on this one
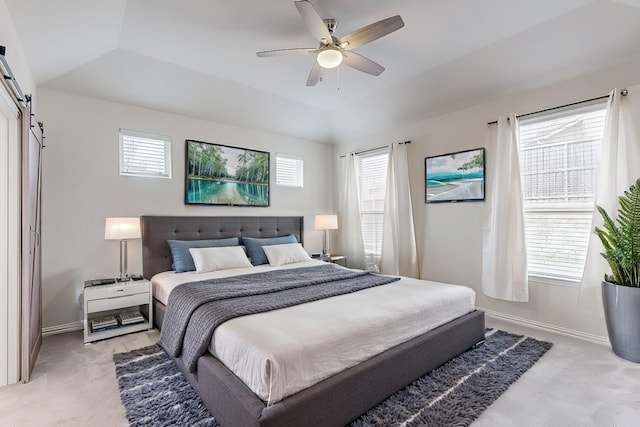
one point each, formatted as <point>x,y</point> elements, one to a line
<point>227,193</point>
<point>435,180</point>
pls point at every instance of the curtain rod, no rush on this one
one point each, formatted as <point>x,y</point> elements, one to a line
<point>373,149</point>
<point>623,92</point>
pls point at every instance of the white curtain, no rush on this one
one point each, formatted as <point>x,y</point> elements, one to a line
<point>504,254</point>
<point>619,168</point>
<point>350,227</point>
<point>399,254</point>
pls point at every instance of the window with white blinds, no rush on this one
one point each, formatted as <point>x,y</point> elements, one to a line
<point>289,170</point>
<point>559,155</point>
<point>143,154</point>
<point>372,179</point>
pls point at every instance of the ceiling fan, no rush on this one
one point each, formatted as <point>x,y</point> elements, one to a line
<point>333,51</point>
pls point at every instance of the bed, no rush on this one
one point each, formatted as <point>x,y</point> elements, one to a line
<point>336,400</point>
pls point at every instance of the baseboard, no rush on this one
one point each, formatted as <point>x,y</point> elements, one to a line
<point>61,329</point>
<point>596,339</point>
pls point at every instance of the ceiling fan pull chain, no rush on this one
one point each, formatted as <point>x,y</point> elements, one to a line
<point>338,84</point>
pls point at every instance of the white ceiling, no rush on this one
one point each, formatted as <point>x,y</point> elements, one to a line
<point>197,57</point>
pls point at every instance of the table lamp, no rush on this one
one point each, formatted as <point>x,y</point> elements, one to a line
<point>326,223</point>
<point>122,229</point>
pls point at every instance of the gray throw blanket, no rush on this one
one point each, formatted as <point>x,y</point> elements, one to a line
<point>195,309</point>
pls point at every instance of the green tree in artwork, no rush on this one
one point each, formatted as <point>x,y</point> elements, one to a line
<point>260,167</point>
<point>241,170</point>
<point>206,161</point>
<point>252,167</point>
<point>476,162</point>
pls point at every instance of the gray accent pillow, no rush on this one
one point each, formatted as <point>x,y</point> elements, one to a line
<point>254,246</point>
<point>182,260</point>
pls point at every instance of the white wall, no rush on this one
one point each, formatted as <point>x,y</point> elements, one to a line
<point>450,235</point>
<point>14,53</point>
<point>82,186</point>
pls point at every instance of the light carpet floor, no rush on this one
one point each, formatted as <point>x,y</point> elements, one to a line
<point>575,384</point>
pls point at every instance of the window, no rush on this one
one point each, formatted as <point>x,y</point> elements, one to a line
<point>372,182</point>
<point>559,155</point>
<point>143,154</point>
<point>289,170</point>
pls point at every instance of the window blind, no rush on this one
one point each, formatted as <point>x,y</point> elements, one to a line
<point>559,154</point>
<point>372,182</point>
<point>144,154</point>
<point>289,170</point>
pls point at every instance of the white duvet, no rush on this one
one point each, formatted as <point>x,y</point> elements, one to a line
<point>281,352</point>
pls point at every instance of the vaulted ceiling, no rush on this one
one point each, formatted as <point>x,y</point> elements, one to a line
<point>197,57</point>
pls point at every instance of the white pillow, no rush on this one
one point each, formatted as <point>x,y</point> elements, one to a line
<point>287,253</point>
<point>222,258</point>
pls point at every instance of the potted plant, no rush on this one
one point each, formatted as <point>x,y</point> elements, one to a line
<point>621,289</point>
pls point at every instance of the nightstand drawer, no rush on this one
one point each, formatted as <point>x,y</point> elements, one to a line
<point>115,302</point>
<point>117,290</point>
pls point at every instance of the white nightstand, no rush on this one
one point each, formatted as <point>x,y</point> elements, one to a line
<point>336,259</point>
<point>111,300</point>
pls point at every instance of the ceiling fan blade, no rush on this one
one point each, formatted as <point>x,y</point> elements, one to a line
<point>315,75</point>
<point>314,23</point>
<point>371,32</point>
<point>361,63</point>
<point>293,51</point>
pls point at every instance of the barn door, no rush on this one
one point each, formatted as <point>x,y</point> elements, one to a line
<point>31,244</point>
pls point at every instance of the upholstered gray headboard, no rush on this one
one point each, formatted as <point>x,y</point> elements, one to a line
<point>156,230</point>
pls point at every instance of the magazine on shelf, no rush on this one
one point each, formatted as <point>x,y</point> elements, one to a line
<point>103,323</point>
<point>130,318</point>
<point>105,328</point>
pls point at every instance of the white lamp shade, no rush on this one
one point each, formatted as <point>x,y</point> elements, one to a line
<point>330,57</point>
<point>122,228</point>
<point>326,222</point>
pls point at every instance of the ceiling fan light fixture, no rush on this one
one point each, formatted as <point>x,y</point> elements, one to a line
<point>332,51</point>
<point>330,57</point>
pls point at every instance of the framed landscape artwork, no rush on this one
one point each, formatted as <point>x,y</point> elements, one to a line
<point>455,177</point>
<point>222,175</point>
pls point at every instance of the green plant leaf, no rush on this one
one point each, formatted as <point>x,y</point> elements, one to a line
<point>621,241</point>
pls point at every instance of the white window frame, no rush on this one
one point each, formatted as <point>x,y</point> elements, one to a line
<point>152,138</point>
<point>298,182</point>
<point>372,254</point>
<point>582,209</point>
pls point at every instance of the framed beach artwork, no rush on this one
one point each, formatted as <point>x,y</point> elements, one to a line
<point>455,177</point>
<point>223,175</point>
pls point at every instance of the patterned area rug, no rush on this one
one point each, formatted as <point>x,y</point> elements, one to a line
<point>154,392</point>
